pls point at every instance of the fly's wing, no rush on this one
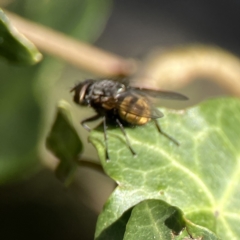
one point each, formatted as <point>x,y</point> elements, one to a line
<point>159,94</point>
<point>139,105</point>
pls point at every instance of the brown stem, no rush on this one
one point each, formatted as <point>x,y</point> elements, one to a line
<point>179,66</point>
<point>92,165</point>
<point>172,69</point>
<point>75,52</point>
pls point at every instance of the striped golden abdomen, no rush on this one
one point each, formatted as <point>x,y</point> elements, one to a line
<point>135,110</point>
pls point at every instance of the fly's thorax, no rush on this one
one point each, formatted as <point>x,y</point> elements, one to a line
<point>107,88</point>
<point>101,93</point>
<point>127,110</point>
<point>104,93</point>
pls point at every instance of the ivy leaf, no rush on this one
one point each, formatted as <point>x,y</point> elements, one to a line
<point>158,218</point>
<point>65,144</point>
<point>29,94</point>
<point>14,46</point>
<point>155,219</point>
<point>200,177</point>
<point>20,124</point>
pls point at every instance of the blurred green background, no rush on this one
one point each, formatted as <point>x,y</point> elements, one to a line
<point>33,203</point>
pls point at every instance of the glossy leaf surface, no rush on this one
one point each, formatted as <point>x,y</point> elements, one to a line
<point>200,177</point>
<point>14,46</point>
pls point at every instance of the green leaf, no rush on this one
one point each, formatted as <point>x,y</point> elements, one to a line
<point>29,94</point>
<point>200,177</point>
<point>14,46</point>
<point>65,144</point>
<point>117,229</point>
<point>154,219</point>
<point>20,124</point>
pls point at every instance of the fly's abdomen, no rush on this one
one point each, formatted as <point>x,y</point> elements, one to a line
<point>134,110</point>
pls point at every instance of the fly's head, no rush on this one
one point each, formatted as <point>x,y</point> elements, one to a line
<point>81,92</point>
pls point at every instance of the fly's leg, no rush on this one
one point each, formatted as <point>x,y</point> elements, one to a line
<point>91,119</point>
<point>105,138</point>
<point>126,137</point>
<point>165,134</point>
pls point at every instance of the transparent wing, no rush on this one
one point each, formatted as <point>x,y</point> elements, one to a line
<point>159,94</point>
<point>139,105</point>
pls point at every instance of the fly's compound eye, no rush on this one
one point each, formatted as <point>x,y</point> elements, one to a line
<point>80,94</point>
